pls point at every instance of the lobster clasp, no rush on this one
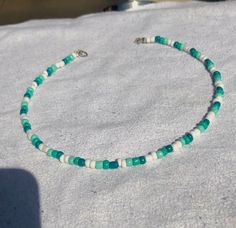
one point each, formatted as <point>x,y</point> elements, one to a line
<point>140,40</point>
<point>81,53</point>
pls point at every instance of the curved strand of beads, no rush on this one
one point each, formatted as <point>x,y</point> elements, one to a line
<point>185,139</point>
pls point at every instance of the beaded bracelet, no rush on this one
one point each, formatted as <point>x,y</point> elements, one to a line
<point>132,161</point>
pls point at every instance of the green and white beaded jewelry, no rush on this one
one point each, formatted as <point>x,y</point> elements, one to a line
<point>132,161</point>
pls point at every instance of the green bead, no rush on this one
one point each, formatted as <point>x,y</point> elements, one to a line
<point>99,164</point>
<point>201,128</point>
<point>26,127</point>
<point>219,91</point>
<point>71,160</point>
<point>161,40</point>
<point>81,162</point>
<point>135,161</point>
<point>208,64</point>
<point>57,154</point>
<point>49,153</point>
<point>216,76</point>
<point>106,164</point>
<point>182,140</point>
<point>164,150</point>
<point>29,92</point>
<point>24,121</point>
<point>142,160</point>
<point>178,45</point>
<point>160,154</point>
<point>188,138</point>
<point>194,53</point>
<point>203,125</point>
<point>129,161</point>
<point>51,69</point>
<point>76,160</point>
<point>39,79</point>
<point>215,107</point>
<point>113,165</point>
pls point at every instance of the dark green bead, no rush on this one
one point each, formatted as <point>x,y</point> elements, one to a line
<point>24,110</point>
<point>142,160</point>
<point>50,71</point>
<point>81,162</point>
<point>161,40</point>
<point>178,45</point>
<point>188,138</point>
<point>57,154</point>
<point>216,76</point>
<point>215,107</point>
<point>37,144</point>
<point>194,53</point>
<point>219,91</point>
<point>113,165</point>
<point>169,148</point>
<point>106,164</point>
<point>204,123</point>
<point>135,161</point>
<point>27,127</point>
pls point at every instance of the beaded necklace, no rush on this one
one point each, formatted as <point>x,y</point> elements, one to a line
<point>185,139</point>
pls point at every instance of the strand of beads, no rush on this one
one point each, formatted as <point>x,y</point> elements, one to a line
<point>185,139</point>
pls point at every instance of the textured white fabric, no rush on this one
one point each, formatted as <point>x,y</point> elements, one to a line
<point>124,100</point>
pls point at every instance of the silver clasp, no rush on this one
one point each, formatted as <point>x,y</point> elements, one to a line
<point>81,53</point>
<point>140,40</point>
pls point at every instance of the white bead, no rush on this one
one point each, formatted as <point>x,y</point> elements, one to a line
<point>172,43</point>
<point>148,40</point>
<point>154,155</point>
<point>92,164</point>
<point>195,133</point>
<point>23,116</point>
<point>34,87</point>
<point>202,58</point>
<point>66,159</point>
<point>123,163</point>
<point>176,145</point>
<point>213,69</point>
<point>60,64</point>
<point>45,74</point>
<point>61,159</point>
<point>119,161</point>
<point>29,134</point>
<point>87,163</point>
<point>219,83</point>
<point>169,41</point>
<point>210,116</point>
<point>148,158</point>
<point>218,98</point>
<point>187,49</point>
<point>153,39</point>
<point>75,55</point>
<point>43,148</point>
<point>34,84</point>
<point>26,99</point>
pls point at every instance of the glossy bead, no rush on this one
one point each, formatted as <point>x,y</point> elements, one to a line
<point>215,107</point>
<point>81,162</point>
<point>194,53</point>
<point>160,154</point>
<point>113,165</point>
<point>216,76</point>
<point>142,160</point>
<point>129,161</point>
<point>135,161</point>
<point>106,164</point>
<point>208,64</point>
<point>99,165</point>
<point>178,45</point>
<point>219,91</point>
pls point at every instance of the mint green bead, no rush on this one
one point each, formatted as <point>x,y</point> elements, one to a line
<point>39,79</point>
<point>182,141</point>
<point>34,136</point>
<point>76,160</point>
<point>219,91</point>
<point>135,161</point>
<point>215,107</point>
<point>24,103</point>
<point>201,128</point>
<point>99,164</point>
<point>164,150</point>
<point>24,121</point>
<point>216,76</point>
<point>129,161</point>
<point>71,160</point>
<point>106,164</point>
<point>49,153</point>
<point>160,154</point>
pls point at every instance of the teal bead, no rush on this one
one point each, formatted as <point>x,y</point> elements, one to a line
<point>135,161</point>
<point>99,164</point>
<point>161,40</point>
<point>215,107</point>
<point>208,64</point>
<point>26,127</point>
<point>81,162</point>
<point>188,138</point>
<point>216,76</point>
<point>106,164</point>
<point>24,110</point>
<point>76,160</point>
<point>219,91</point>
<point>39,80</point>
<point>71,160</point>
<point>29,92</point>
<point>164,150</point>
<point>49,153</point>
<point>182,140</point>
<point>169,148</point>
<point>56,154</point>
<point>160,154</point>
<point>178,45</point>
<point>68,59</point>
<point>51,69</point>
<point>129,161</point>
<point>113,165</point>
<point>142,160</point>
<point>194,53</point>
<point>203,125</point>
